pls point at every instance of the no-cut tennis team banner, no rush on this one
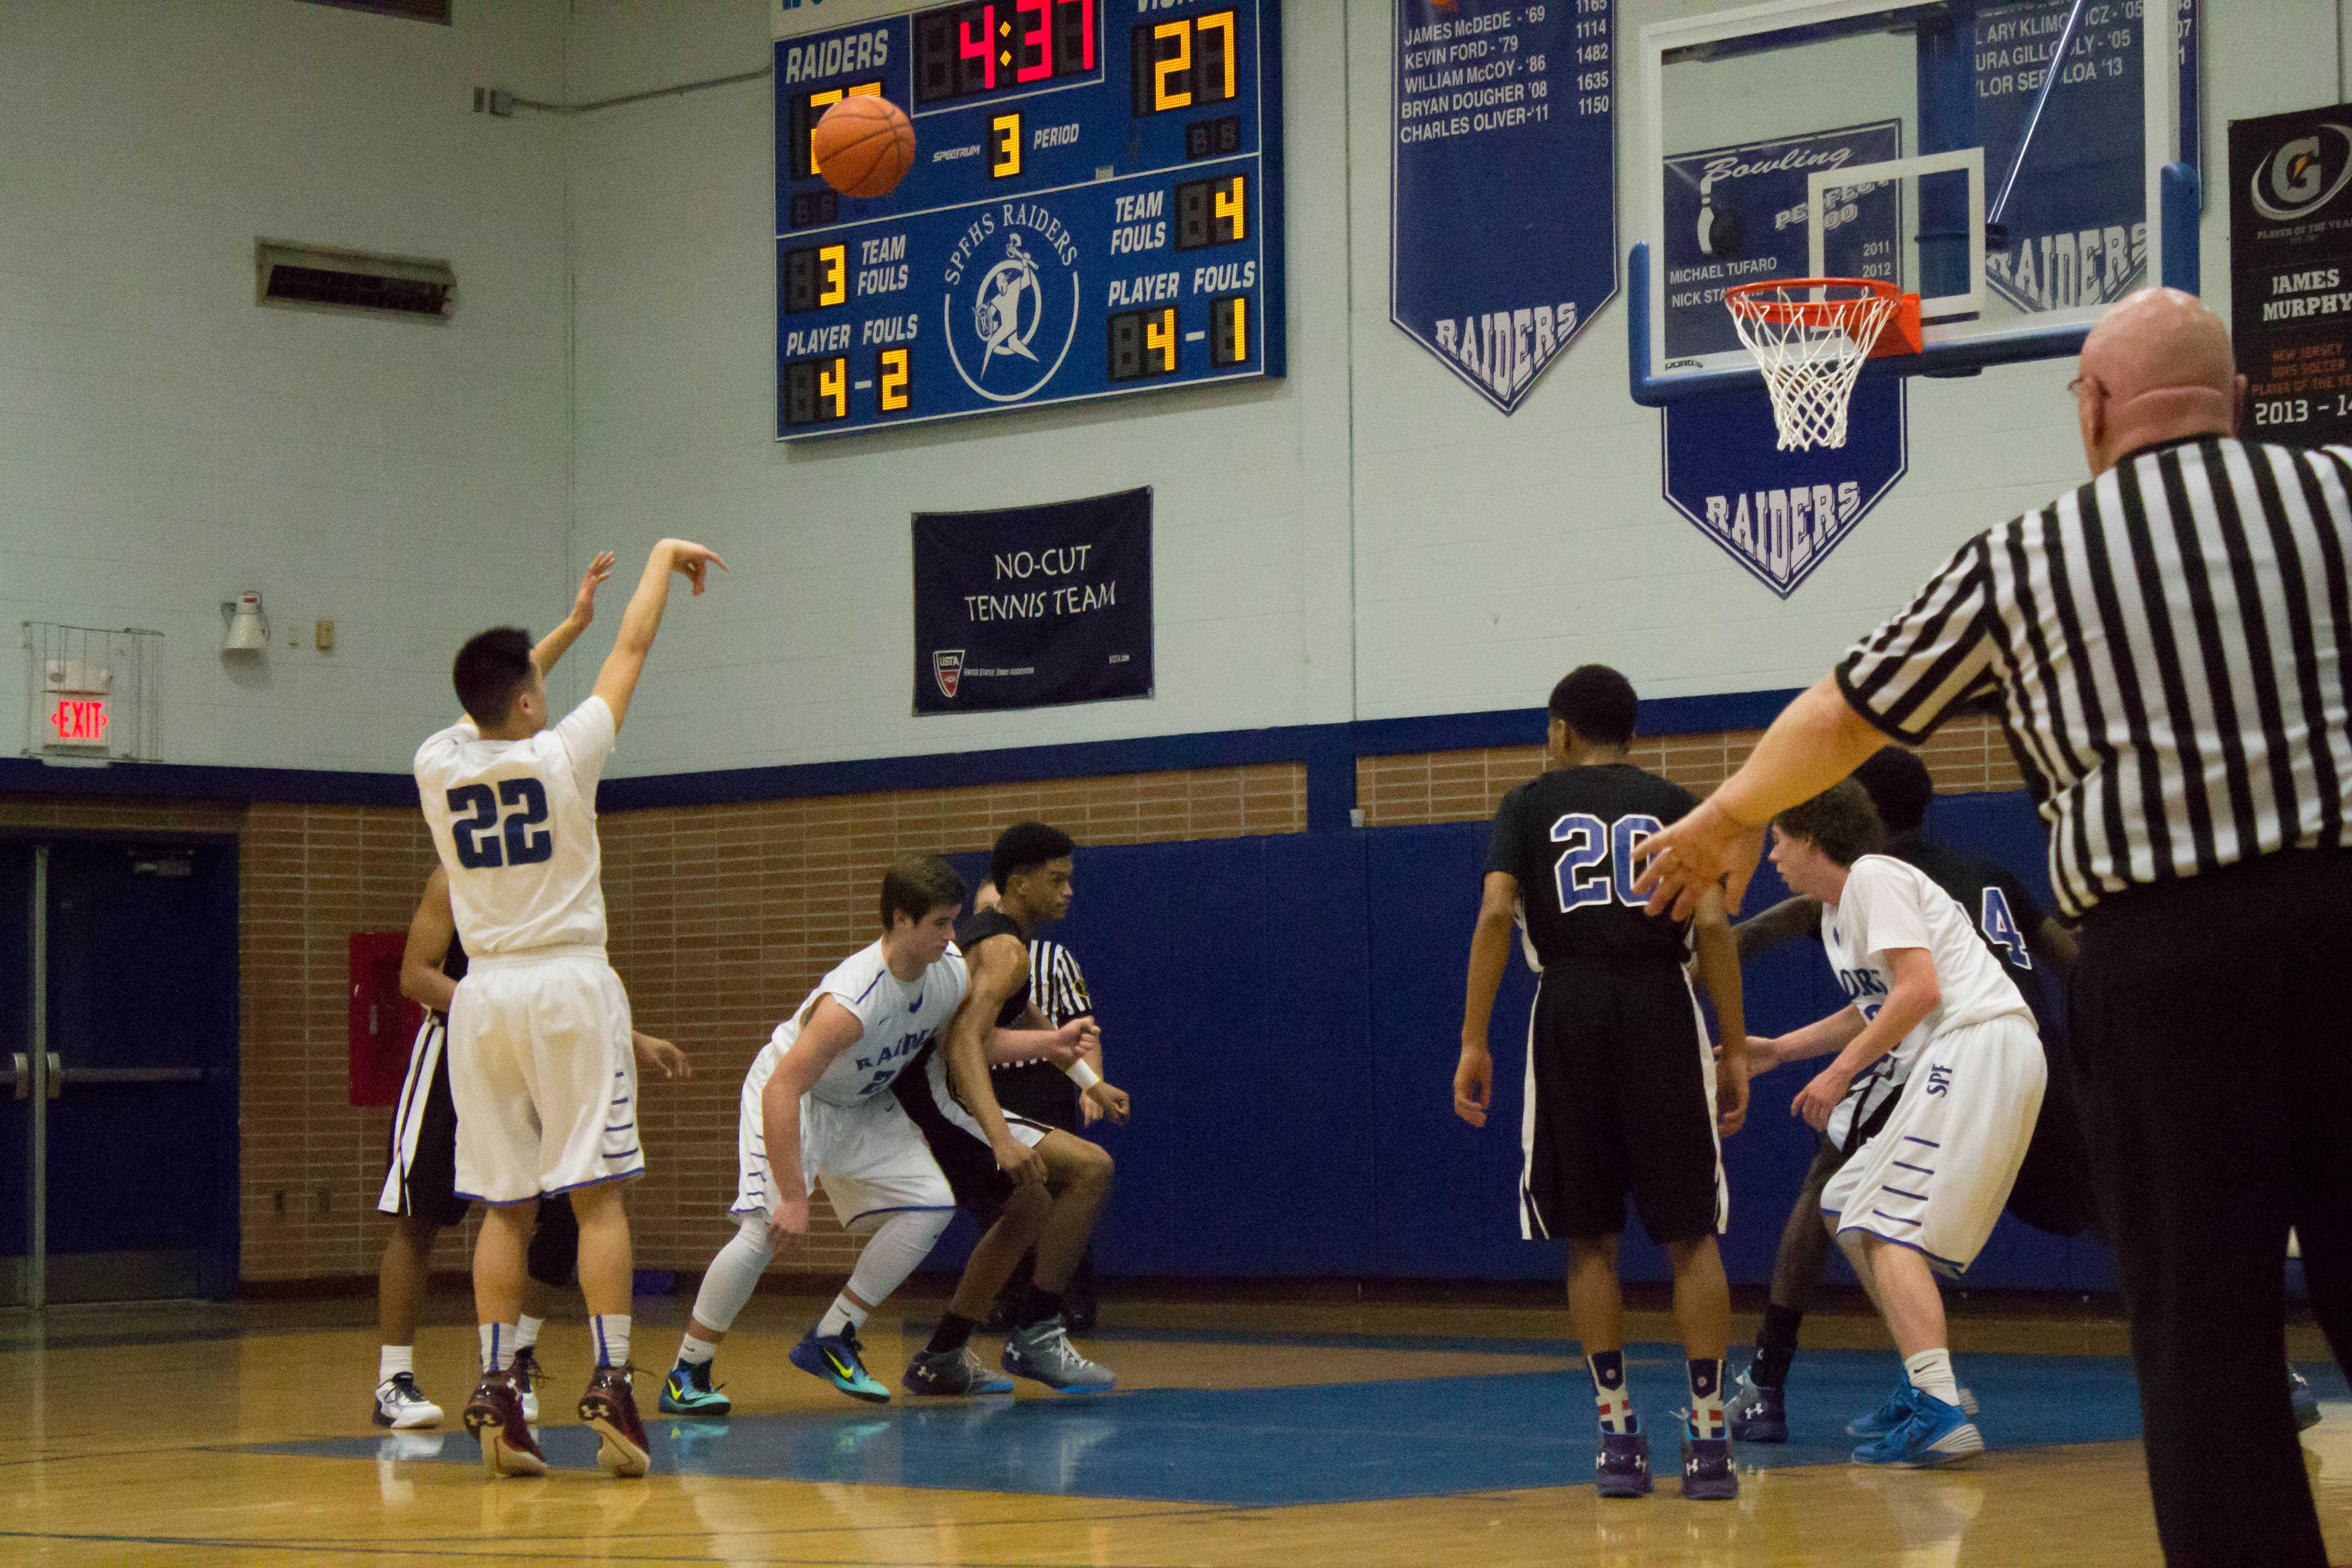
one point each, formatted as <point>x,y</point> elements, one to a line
<point>1034,606</point>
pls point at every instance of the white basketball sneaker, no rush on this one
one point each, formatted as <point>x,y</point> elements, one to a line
<point>401,1406</point>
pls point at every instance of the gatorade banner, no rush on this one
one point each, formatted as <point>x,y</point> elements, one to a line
<point>2291,272</point>
<point>1034,606</point>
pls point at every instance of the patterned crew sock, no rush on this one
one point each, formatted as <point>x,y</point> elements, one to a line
<point>610,1330</point>
<point>1706,1398</point>
<point>497,1346</point>
<point>1609,1391</point>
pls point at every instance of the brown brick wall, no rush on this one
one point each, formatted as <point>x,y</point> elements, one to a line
<point>1967,755</point>
<point>722,917</point>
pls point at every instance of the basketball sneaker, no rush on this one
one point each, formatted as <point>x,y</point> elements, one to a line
<point>835,1359</point>
<point>1932,1433</point>
<point>1895,1410</point>
<point>610,1405</point>
<point>2306,1403</point>
<point>687,1391</point>
<point>527,1373</point>
<point>402,1405</point>
<point>1620,1465</point>
<point>1755,1414</point>
<point>1042,1352</point>
<point>1707,1475</point>
<point>947,1374</point>
<point>494,1415</point>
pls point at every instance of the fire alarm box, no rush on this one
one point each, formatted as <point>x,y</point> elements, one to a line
<point>384,1022</point>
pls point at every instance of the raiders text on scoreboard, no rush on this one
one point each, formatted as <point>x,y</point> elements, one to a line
<point>1094,209</point>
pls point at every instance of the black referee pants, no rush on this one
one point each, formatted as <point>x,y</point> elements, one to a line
<point>2213,1039</point>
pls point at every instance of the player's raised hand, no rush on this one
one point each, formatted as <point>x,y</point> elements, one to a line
<point>788,1221</point>
<point>584,603</point>
<point>693,562</point>
<point>1474,1084</point>
<point>1679,863</point>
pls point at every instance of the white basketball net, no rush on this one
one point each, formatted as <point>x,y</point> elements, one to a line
<point>1810,345</point>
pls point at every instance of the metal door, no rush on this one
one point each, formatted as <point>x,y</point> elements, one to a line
<point>128,1116</point>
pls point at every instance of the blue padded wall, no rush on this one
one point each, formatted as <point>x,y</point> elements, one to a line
<point>1285,1010</point>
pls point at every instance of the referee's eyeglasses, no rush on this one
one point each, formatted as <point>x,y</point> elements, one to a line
<point>2080,383</point>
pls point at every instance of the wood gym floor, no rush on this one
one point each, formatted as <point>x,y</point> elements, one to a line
<point>1240,1437</point>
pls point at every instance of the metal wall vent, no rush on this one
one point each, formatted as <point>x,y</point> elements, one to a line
<point>307,277</point>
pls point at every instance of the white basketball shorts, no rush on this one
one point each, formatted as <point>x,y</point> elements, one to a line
<point>543,1077</point>
<point>870,1159</point>
<point>1935,1177</point>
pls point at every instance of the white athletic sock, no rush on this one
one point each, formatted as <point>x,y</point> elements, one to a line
<point>843,1313</point>
<point>896,1249</point>
<point>390,1360</point>
<point>610,1333</point>
<point>692,1351</point>
<point>497,1346</point>
<point>734,1274</point>
<point>1931,1373</point>
<point>526,1330</point>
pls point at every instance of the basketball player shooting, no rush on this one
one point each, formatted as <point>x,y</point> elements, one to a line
<point>540,1067</point>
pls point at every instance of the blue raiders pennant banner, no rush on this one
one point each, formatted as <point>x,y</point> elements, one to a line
<point>1034,606</point>
<point>1780,514</point>
<point>1503,216</point>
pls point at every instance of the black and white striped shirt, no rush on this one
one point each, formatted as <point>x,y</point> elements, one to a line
<point>2166,648</point>
<point>1058,988</point>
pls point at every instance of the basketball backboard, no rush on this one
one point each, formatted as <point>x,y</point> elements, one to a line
<point>1924,143</point>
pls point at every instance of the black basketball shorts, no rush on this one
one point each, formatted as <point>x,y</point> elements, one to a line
<point>1619,1104</point>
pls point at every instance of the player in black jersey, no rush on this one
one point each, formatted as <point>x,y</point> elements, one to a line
<point>1030,1184</point>
<point>1624,1096</point>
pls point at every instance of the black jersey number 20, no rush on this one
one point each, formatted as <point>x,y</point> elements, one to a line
<point>1596,862</point>
<point>484,841</point>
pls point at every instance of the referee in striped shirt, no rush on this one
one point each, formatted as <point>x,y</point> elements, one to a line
<point>2167,649</point>
<point>1044,1092</point>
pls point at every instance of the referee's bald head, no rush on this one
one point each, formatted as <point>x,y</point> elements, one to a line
<point>2157,368</point>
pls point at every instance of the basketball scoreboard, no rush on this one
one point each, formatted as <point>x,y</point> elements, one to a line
<point>1094,206</point>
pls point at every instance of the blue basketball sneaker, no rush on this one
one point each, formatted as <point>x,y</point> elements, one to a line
<point>1707,1475</point>
<point>1620,1465</point>
<point>2306,1403</point>
<point>1932,1433</point>
<point>835,1359</point>
<point>1896,1409</point>
<point>1755,1414</point>
<point>687,1391</point>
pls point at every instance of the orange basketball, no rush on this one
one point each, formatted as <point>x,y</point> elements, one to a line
<point>863,146</point>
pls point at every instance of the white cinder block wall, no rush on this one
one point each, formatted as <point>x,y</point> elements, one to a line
<point>164,442</point>
<point>1364,539</point>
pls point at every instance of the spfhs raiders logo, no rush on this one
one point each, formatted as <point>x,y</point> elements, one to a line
<point>1012,301</point>
<point>2304,175</point>
<point>947,668</point>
